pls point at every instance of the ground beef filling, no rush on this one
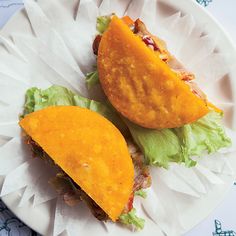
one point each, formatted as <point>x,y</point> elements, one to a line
<point>72,194</point>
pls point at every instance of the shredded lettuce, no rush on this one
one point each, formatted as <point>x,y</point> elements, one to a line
<point>141,193</point>
<point>102,23</point>
<point>131,219</point>
<point>92,79</point>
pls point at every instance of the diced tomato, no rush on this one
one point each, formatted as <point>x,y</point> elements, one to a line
<point>127,20</point>
<point>96,43</point>
<point>130,203</point>
<point>150,42</point>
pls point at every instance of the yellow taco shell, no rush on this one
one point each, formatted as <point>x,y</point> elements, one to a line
<point>90,149</point>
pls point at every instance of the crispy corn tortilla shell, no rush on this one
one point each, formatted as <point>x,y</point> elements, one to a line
<point>140,85</point>
<point>90,149</point>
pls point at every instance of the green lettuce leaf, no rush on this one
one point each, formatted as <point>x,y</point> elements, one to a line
<point>205,135</point>
<point>37,99</point>
<point>102,23</point>
<point>29,101</point>
<point>131,219</point>
<point>160,147</point>
<point>141,193</point>
<point>92,79</point>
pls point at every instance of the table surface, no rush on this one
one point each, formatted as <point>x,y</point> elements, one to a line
<point>222,221</point>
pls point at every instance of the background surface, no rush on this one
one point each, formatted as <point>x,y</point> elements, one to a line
<point>222,221</point>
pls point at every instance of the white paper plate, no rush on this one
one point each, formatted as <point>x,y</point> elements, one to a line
<point>41,218</point>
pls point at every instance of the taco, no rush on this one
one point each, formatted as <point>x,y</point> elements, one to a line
<point>136,75</point>
<point>93,156</point>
